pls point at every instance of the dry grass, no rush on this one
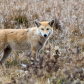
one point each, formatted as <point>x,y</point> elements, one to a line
<point>68,35</point>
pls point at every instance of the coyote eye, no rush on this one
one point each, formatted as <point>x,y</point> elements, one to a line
<point>47,28</point>
<point>42,29</point>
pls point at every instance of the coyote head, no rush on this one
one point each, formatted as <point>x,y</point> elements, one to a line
<point>45,28</point>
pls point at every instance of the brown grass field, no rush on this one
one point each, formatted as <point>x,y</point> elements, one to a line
<point>62,60</point>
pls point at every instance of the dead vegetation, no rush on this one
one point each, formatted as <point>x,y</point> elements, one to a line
<point>62,66</point>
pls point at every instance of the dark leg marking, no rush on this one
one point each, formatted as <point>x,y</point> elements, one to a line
<point>7,51</point>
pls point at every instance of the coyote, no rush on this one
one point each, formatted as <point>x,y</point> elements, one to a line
<point>33,39</point>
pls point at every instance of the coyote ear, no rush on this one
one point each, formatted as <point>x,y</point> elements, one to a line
<point>51,23</point>
<point>37,23</point>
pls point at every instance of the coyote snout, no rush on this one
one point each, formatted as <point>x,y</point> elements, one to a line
<point>33,39</point>
<point>45,35</point>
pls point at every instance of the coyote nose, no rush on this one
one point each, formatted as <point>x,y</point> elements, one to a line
<point>45,35</point>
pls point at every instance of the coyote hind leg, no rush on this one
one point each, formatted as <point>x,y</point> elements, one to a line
<point>7,51</point>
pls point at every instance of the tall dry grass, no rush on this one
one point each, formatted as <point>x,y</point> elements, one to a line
<point>68,35</point>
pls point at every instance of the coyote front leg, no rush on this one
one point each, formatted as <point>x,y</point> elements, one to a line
<point>37,55</point>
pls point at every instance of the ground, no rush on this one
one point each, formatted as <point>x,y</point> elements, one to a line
<point>62,60</point>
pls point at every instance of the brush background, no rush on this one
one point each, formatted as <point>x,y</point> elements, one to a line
<point>68,67</point>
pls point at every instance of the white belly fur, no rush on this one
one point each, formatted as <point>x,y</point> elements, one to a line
<point>20,46</point>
